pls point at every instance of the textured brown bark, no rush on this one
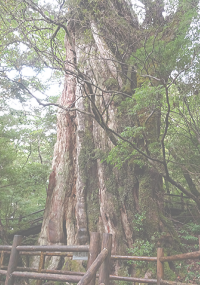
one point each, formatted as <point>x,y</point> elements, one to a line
<point>60,204</point>
<point>84,193</point>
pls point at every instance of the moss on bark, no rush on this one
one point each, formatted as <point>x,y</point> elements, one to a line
<point>88,171</point>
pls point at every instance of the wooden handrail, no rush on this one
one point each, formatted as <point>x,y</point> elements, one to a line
<point>137,258</point>
<point>53,271</point>
<point>117,278</point>
<point>38,253</point>
<point>23,217</point>
<point>46,276</point>
<point>3,272</point>
<point>146,280</point>
<point>114,257</point>
<point>61,248</point>
<point>6,247</point>
<point>189,255</point>
<point>133,279</point>
<point>166,282</point>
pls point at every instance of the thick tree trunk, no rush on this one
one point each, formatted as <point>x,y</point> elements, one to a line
<point>84,193</point>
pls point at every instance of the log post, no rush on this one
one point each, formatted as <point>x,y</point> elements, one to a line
<point>27,260</point>
<point>12,265</point>
<point>1,259</point>
<point>91,272</point>
<point>160,265</point>
<point>41,266</point>
<point>93,252</point>
<point>104,271</point>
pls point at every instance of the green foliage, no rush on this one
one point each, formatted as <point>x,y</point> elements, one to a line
<point>27,132</point>
<point>142,248</point>
<point>187,272</point>
<point>139,222</point>
<point>144,96</point>
<point>188,232</point>
<point>194,228</point>
<point>26,144</point>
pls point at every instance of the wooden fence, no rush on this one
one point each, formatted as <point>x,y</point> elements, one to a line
<point>96,260</point>
<point>176,204</point>
<point>29,224</point>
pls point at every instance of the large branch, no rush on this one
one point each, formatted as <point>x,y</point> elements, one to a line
<point>190,183</point>
<point>180,187</point>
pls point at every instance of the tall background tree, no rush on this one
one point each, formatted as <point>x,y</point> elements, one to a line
<point>127,123</point>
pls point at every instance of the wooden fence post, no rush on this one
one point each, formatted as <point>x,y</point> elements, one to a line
<point>104,271</point>
<point>14,255</point>
<point>160,265</point>
<point>1,259</point>
<point>41,266</point>
<point>27,260</point>
<point>93,252</point>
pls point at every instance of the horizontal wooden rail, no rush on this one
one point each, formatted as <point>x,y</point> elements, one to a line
<point>113,277</point>
<point>23,217</point>
<point>53,271</point>
<point>46,253</point>
<point>76,279</point>
<point>189,255</point>
<point>146,280</point>
<point>5,247</point>
<point>33,221</point>
<point>137,258</point>
<point>38,253</point>
<point>114,257</point>
<point>133,279</point>
<point>89,275</point>
<point>33,213</point>
<point>42,276</point>
<point>55,248</point>
<point>166,282</point>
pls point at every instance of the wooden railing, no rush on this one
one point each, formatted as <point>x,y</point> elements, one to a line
<point>180,201</point>
<point>26,225</point>
<point>96,260</point>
